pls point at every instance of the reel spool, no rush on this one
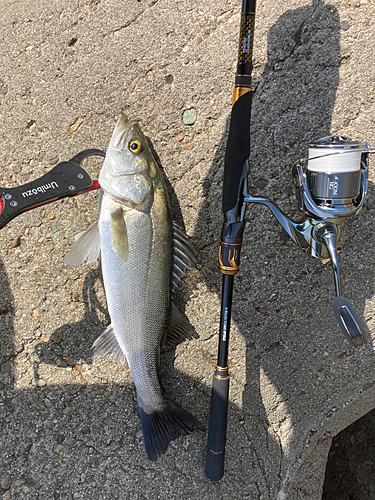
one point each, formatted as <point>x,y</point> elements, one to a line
<point>334,171</point>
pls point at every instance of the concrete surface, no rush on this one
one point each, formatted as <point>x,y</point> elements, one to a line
<point>69,427</point>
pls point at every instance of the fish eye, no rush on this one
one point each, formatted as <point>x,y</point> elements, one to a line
<point>135,146</point>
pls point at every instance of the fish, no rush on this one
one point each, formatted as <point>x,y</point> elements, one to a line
<point>144,256</point>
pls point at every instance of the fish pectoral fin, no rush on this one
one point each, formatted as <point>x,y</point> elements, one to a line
<point>164,425</point>
<point>179,328</point>
<point>119,238</point>
<point>184,256</point>
<point>87,246</point>
<point>107,344</point>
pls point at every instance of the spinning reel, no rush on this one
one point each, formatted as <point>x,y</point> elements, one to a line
<point>331,185</point>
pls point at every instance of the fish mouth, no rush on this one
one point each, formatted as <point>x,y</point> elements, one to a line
<point>122,127</point>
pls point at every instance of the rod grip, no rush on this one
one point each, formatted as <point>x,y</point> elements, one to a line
<point>217,428</point>
<point>237,151</point>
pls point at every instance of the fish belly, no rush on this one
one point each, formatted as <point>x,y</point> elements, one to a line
<point>137,288</point>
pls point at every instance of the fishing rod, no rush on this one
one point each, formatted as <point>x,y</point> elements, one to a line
<point>234,206</point>
<point>331,185</point>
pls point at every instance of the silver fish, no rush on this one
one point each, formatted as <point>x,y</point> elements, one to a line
<point>143,257</point>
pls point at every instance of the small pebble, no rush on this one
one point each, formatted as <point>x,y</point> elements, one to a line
<point>6,367</point>
<point>5,481</point>
<point>366,105</point>
<point>60,438</point>
<point>23,245</point>
<point>55,227</point>
<point>58,448</point>
<point>172,118</point>
<point>77,495</point>
<point>53,160</point>
<point>344,26</point>
<point>41,383</point>
<point>18,348</point>
<point>163,126</point>
<point>216,89</point>
<point>15,265</point>
<point>16,242</point>
<point>261,183</point>
<point>30,482</point>
<point>3,90</point>
<point>189,117</point>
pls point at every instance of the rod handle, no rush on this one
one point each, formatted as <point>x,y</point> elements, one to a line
<point>237,151</point>
<point>217,428</point>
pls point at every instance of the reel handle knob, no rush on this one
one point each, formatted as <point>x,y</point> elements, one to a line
<point>349,322</point>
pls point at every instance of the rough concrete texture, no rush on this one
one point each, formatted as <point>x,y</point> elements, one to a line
<point>69,426</point>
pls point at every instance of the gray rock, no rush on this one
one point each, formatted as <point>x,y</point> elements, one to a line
<point>189,117</point>
<point>5,481</point>
<point>6,367</point>
<point>172,118</point>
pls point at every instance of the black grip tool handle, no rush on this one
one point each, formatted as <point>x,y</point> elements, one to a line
<point>67,178</point>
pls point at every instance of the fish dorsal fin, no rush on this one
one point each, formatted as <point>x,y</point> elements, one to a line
<point>87,246</point>
<point>184,256</point>
<point>179,328</point>
<point>107,344</point>
<point>119,234</point>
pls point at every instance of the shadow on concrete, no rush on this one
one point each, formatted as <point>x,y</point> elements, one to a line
<point>351,462</point>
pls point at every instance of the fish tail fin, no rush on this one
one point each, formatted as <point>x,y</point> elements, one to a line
<point>162,426</point>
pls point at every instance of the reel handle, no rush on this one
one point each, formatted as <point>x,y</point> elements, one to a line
<point>349,322</point>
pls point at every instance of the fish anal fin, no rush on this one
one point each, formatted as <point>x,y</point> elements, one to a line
<point>179,328</point>
<point>107,344</point>
<point>119,238</point>
<point>164,425</point>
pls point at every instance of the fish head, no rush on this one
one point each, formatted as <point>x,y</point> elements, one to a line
<point>129,167</point>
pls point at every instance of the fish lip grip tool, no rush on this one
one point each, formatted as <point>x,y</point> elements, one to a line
<point>66,179</point>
